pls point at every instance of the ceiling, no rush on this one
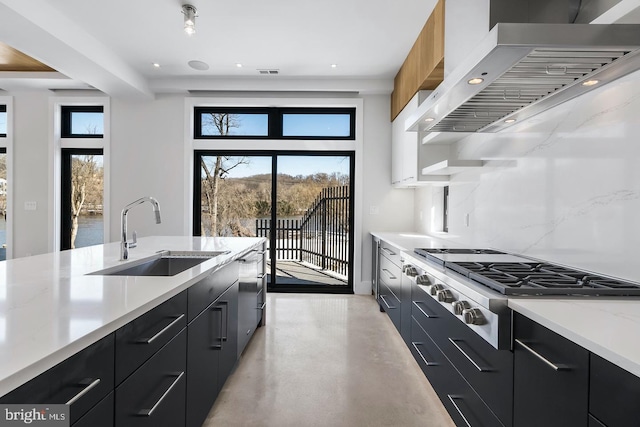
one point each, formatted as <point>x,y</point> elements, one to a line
<point>112,45</point>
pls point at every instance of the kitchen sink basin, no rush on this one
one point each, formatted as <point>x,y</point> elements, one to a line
<point>168,263</point>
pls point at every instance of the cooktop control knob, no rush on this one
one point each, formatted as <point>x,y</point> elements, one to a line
<point>410,271</point>
<point>434,289</point>
<point>460,306</point>
<point>473,316</point>
<point>423,279</point>
<point>445,295</point>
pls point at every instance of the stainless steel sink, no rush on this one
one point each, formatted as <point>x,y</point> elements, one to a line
<point>168,263</point>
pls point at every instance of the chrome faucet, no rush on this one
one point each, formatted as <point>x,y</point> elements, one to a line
<point>124,245</point>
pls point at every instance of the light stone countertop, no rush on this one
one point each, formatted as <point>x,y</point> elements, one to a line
<point>608,327</point>
<point>50,308</point>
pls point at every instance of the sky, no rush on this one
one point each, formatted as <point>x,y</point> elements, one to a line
<point>293,165</point>
<point>85,123</point>
<point>292,125</point>
<point>3,122</point>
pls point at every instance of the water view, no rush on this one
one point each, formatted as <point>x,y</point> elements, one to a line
<point>90,231</point>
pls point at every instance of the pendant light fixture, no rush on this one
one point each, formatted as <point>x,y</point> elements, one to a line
<point>190,13</point>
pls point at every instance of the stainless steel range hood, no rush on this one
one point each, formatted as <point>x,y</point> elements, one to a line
<point>523,69</point>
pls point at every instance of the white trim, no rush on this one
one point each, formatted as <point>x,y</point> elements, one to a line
<point>317,145</point>
<point>7,143</point>
<point>56,143</point>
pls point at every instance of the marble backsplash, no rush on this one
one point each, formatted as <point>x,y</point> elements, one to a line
<point>563,186</point>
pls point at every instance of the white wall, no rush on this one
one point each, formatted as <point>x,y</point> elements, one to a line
<point>384,208</point>
<point>563,186</point>
<point>148,158</point>
<point>31,172</point>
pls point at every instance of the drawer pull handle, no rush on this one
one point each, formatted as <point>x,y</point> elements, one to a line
<point>261,307</point>
<point>391,276</point>
<point>218,346</point>
<point>464,353</point>
<point>384,300</point>
<point>162,331</point>
<point>455,405</point>
<point>554,366</point>
<point>429,316</point>
<point>262,276</point>
<point>424,359</point>
<point>84,391</point>
<point>389,251</point>
<point>149,412</point>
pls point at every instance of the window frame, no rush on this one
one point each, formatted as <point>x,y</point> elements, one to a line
<point>275,117</point>
<point>57,142</point>
<point>66,112</point>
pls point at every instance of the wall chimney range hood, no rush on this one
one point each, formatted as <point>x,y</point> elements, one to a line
<point>521,69</point>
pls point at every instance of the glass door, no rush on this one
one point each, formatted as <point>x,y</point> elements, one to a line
<point>309,231</point>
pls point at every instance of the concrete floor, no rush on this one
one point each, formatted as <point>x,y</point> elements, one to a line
<point>327,360</point>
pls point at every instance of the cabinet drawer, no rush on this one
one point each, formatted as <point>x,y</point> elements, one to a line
<point>427,312</point>
<point>614,394</point>
<point>138,340</point>
<point>390,304</point>
<point>391,253</point>
<point>154,395</point>
<point>100,415</point>
<point>551,381</point>
<point>464,406</point>
<point>207,290</point>
<point>390,273</point>
<point>82,380</point>
<point>488,370</point>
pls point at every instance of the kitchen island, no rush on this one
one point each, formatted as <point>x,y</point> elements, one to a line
<point>51,307</point>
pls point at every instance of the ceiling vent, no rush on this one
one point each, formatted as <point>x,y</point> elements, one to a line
<point>269,71</point>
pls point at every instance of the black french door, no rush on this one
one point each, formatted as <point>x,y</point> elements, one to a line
<point>302,202</point>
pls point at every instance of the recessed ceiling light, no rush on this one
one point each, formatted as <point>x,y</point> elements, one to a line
<point>475,81</point>
<point>198,65</point>
<point>239,65</point>
<point>591,82</point>
<point>510,121</point>
<point>429,119</point>
<point>156,65</point>
<point>334,65</point>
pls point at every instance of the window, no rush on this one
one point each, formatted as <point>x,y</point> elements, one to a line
<point>82,198</point>
<point>318,123</point>
<point>3,203</point>
<point>274,123</point>
<point>231,122</point>
<point>3,121</point>
<point>82,121</point>
<point>445,210</point>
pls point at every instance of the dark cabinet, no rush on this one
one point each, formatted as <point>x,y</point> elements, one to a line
<point>80,381</point>
<point>154,395</point>
<point>551,377</point>
<point>389,283</point>
<point>249,288</point>
<point>212,353</point>
<point>141,338</point>
<point>100,415</point>
<point>207,290</point>
<point>614,394</point>
<point>472,379</point>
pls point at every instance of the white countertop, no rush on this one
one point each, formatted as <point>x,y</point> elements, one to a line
<point>608,327</point>
<point>50,309</point>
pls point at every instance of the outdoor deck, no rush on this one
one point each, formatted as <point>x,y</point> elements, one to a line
<point>301,273</point>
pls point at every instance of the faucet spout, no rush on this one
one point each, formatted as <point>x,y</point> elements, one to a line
<point>124,244</point>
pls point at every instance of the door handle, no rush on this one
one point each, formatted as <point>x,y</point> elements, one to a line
<point>554,366</point>
<point>218,346</point>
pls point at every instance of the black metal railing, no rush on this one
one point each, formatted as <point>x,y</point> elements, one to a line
<point>320,237</point>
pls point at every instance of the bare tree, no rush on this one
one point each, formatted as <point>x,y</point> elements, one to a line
<point>86,185</point>
<point>216,171</point>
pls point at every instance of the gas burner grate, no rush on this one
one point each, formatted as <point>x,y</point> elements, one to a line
<point>542,279</point>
